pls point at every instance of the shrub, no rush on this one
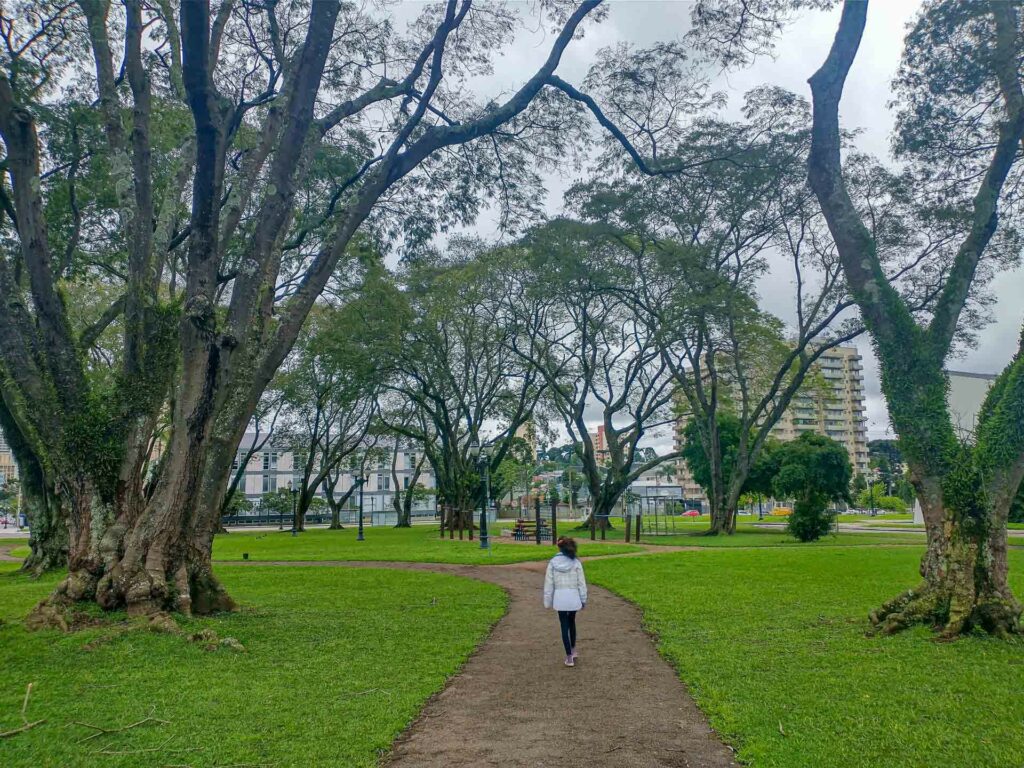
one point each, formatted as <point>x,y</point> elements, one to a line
<point>811,519</point>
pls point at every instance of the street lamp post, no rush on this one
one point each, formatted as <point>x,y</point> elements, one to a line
<point>571,493</point>
<point>483,467</point>
<point>871,490</point>
<point>295,496</point>
<point>362,481</point>
<point>280,517</point>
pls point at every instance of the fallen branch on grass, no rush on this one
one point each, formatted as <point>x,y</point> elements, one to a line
<point>101,731</point>
<point>26,725</point>
<point>21,729</point>
<point>157,748</point>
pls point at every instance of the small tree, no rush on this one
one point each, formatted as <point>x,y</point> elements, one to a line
<point>815,470</point>
<point>876,497</point>
<point>277,502</point>
<point>238,504</point>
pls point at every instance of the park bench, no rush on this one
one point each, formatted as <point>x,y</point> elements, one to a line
<point>526,529</point>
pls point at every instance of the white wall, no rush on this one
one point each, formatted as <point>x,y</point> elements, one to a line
<point>967,392</point>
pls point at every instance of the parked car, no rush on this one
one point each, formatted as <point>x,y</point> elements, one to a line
<point>691,513</point>
<point>781,512</point>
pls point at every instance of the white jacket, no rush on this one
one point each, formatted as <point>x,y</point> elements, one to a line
<point>565,586</point>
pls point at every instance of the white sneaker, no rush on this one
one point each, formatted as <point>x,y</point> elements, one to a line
<point>570,661</point>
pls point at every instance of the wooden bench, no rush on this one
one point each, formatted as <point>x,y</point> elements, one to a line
<point>526,530</point>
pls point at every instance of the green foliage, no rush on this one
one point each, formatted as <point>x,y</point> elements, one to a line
<point>277,502</point>
<point>761,479</point>
<point>762,473</point>
<point>814,470</point>
<point>1017,507</point>
<point>810,519</point>
<point>562,455</point>
<point>876,495</point>
<point>95,432</point>
<point>239,505</point>
<point>515,470</point>
<point>963,491</point>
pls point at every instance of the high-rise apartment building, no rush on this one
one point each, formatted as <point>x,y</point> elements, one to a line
<point>831,403</point>
<point>600,445</point>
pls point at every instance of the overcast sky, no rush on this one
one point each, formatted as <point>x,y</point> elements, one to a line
<point>800,52</point>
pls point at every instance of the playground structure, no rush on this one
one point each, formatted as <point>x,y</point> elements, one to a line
<point>655,515</point>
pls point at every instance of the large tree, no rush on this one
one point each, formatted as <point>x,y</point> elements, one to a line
<point>758,478</point>
<point>566,295</point>
<point>242,149</point>
<point>329,389</point>
<point>728,204</point>
<point>960,127</point>
<point>455,380</point>
<point>724,201</point>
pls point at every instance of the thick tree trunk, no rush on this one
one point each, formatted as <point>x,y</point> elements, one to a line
<point>600,511</point>
<point>403,506</point>
<point>41,504</point>
<point>149,553</point>
<point>48,530</point>
<point>334,504</point>
<point>302,504</point>
<point>964,572</point>
<point>723,516</point>
<point>335,517</point>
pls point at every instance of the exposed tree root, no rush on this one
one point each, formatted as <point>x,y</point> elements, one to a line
<point>951,613</point>
<point>140,593</point>
<point>56,612</point>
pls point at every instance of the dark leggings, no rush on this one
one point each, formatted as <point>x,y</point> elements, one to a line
<point>567,620</point>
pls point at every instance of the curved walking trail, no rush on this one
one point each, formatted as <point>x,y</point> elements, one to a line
<point>514,703</point>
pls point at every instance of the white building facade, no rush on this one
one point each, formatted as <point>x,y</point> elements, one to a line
<point>8,468</point>
<point>273,468</point>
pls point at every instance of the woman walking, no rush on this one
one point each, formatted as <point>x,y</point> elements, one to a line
<point>565,590</point>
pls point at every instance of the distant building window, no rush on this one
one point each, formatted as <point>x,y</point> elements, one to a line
<point>269,483</point>
<point>405,483</point>
<point>270,460</point>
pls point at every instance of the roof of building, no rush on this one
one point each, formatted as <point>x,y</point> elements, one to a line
<point>972,375</point>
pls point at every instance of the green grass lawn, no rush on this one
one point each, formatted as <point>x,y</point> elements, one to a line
<point>337,663</point>
<point>772,644</point>
<point>748,535</point>
<point>419,544</point>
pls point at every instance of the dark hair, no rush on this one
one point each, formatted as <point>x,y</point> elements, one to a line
<point>567,546</point>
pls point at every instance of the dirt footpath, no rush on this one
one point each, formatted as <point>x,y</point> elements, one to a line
<point>516,704</point>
